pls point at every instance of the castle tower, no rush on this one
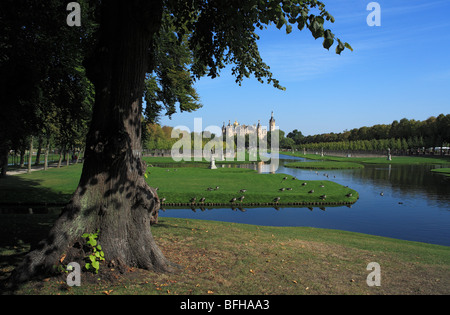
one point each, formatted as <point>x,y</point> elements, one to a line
<point>272,123</point>
<point>259,132</point>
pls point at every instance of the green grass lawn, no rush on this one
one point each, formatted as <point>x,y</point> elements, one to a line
<point>444,171</point>
<point>324,165</point>
<point>179,184</point>
<point>56,185</point>
<point>217,258</point>
<point>376,160</point>
<point>158,160</point>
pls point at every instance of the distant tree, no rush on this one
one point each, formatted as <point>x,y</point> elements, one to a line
<point>404,135</point>
<point>287,143</point>
<point>296,136</point>
<point>40,69</point>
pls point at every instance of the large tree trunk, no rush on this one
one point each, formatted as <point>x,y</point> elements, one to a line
<point>112,195</point>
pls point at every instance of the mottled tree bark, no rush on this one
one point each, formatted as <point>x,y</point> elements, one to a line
<point>112,195</point>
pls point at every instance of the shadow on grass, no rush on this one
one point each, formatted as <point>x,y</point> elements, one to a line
<point>20,233</point>
<point>163,225</point>
<point>22,190</point>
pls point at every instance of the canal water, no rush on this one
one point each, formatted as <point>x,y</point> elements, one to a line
<point>406,202</point>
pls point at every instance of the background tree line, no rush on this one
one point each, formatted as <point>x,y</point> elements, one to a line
<point>406,135</point>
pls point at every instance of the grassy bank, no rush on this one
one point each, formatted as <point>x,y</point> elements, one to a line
<point>159,160</point>
<point>376,160</point>
<point>55,185</point>
<point>180,185</point>
<point>226,258</point>
<point>444,171</point>
<point>326,165</point>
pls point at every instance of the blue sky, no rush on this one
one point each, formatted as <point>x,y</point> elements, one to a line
<point>400,69</point>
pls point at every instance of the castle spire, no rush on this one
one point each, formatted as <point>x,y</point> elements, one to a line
<point>272,123</point>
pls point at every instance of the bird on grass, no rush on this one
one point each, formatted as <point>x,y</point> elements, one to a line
<point>304,184</point>
<point>282,189</point>
<point>243,190</point>
<point>163,200</point>
<point>241,198</point>
<point>233,200</point>
<point>288,188</point>
<point>311,191</point>
<point>277,199</point>
<point>202,200</point>
<point>323,197</point>
<point>349,195</point>
<point>217,188</point>
<point>193,199</point>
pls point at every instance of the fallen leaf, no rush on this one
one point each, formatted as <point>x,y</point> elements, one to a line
<point>252,271</point>
<point>210,292</point>
<point>107,292</point>
<point>294,281</point>
<point>62,258</point>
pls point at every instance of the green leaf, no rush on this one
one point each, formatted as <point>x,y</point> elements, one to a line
<point>328,41</point>
<point>300,24</point>
<point>96,265</point>
<point>316,29</point>
<point>92,258</point>
<point>87,266</point>
<point>288,28</point>
<point>340,47</point>
<point>320,20</point>
<point>347,45</point>
<point>280,23</point>
<point>85,235</point>
<point>92,241</point>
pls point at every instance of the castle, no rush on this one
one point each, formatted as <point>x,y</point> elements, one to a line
<point>236,129</point>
